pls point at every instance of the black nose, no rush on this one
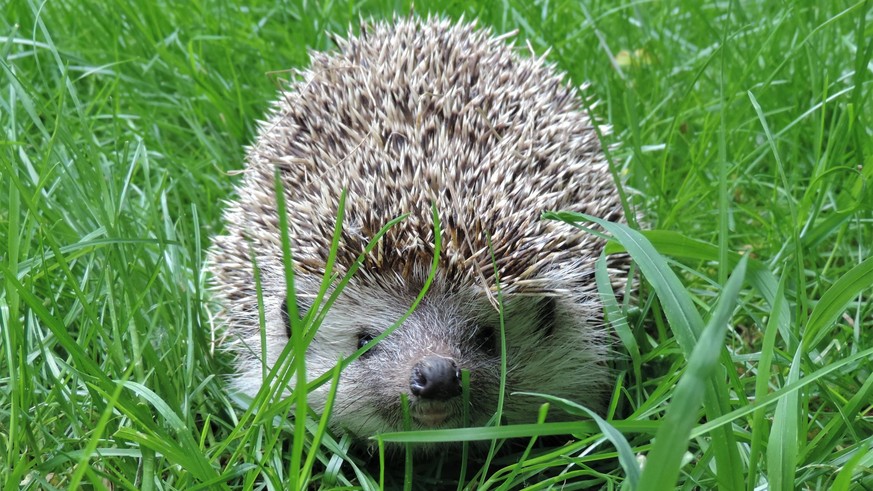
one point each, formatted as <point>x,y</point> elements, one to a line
<point>435,377</point>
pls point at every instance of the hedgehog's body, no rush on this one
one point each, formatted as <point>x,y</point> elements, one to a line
<point>405,116</point>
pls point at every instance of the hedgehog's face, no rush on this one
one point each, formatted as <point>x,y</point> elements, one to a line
<point>423,358</point>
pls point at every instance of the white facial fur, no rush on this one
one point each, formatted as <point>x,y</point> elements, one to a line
<point>553,346</point>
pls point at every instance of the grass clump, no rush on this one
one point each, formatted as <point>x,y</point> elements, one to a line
<point>745,131</point>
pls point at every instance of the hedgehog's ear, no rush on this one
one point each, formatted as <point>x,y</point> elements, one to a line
<point>286,317</point>
<point>546,316</point>
<point>487,339</point>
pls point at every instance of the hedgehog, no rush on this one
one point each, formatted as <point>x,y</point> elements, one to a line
<point>407,117</point>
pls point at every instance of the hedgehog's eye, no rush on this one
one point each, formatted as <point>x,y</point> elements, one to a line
<point>365,337</point>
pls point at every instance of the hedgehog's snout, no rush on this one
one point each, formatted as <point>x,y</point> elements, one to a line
<point>435,378</point>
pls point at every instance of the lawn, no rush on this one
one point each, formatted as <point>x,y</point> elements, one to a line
<point>743,135</point>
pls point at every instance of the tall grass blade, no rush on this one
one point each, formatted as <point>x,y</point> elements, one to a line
<point>782,447</point>
<point>663,463</point>
<point>626,456</point>
<point>834,301</point>
<point>686,325</point>
<point>765,363</point>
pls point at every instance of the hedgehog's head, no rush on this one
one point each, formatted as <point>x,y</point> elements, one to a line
<point>553,345</point>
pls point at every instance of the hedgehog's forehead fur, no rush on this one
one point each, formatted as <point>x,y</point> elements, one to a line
<point>414,113</point>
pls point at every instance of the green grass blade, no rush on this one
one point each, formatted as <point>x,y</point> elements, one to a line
<point>297,338</point>
<point>674,244</point>
<point>686,324</point>
<point>519,466</point>
<point>321,430</point>
<point>847,475</point>
<point>614,316</point>
<point>762,379</point>
<point>678,306</point>
<point>501,391</point>
<point>525,430</point>
<point>663,463</point>
<point>837,428</point>
<point>782,447</point>
<point>834,301</point>
<point>626,456</point>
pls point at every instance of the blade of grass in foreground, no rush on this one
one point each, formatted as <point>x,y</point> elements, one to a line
<point>684,319</point>
<point>516,469</point>
<point>834,301</point>
<point>625,454</point>
<point>782,445</point>
<point>665,459</point>
<point>776,395</point>
<point>299,392</point>
<point>614,316</point>
<point>676,245</point>
<point>501,392</point>
<point>183,445</point>
<point>686,324</point>
<point>843,480</point>
<point>762,379</point>
<point>322,426</point>
<point>524,430</point>
<point>820,446</point>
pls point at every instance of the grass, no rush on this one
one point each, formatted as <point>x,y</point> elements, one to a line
<point>745,131</point>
